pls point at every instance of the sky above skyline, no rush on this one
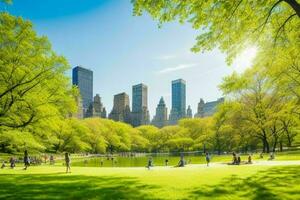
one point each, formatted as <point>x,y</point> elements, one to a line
<point>123,50</point>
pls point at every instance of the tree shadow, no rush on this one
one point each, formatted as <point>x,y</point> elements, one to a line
<point>41,186</point>
<point>274,184</point>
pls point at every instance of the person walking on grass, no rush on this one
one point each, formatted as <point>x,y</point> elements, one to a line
<point>150,163</point>
<point>12,162</point>
<point>68,162</point>
<point>207,158</point>
<point>26,160</point>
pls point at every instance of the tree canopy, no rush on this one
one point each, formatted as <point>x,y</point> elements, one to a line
<point>228,25</point>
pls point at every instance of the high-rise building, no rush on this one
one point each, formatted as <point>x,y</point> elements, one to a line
<point>121,108</point>
<point>178,110</point>
<point>200,110</point>
<point>189,112</point>
<point>161,116</point>
<point>208,108</point>
<point>96,109</point>
<point>83,78</point>
<point>140,113</point>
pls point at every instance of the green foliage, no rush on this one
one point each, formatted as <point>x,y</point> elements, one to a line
<point>228,25</point>
<point>33,86</point>
<point>13,141</point>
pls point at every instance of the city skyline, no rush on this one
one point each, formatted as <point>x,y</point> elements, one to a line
<point>121,57</point>
<point>138,114</point>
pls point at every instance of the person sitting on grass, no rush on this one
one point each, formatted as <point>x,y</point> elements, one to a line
<point>272,156</point>
<point>261,155</point>
<point>12,162</point>
<point>150,163</point>
<point>68,162</point>
<point>26,160</point>
<point>181,162</point>
<point>249,159</point>
<point>207,158</point>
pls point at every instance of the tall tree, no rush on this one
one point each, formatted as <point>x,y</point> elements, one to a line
<point>33,85</point>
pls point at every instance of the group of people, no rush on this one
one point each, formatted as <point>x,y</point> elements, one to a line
<point>27,161</point>
<point>12,162</point>
<point>181,162</point>
<point>236,159</point>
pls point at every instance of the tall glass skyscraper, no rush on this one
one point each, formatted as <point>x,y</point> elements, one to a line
<point>83,78</point>
<point>140,113</point>
<point>178,110</point>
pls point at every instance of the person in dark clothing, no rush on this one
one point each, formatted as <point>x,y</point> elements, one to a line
<point>150,163</point>
<point>52,160</point>
<point>238,159</point>
<point>166,162</point>
<point>181,162</point>
<point>68,162</point>
<point>12,163</point>
<point>26,160</point>
<point>234,159</point>
<point>207,158</point>
<point>249,159</point>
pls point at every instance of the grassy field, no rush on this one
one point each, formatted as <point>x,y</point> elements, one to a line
<point>192,182</point>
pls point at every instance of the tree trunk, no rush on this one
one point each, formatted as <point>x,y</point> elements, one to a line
<point>274,145</point>
<point>267,146</point>
<point>289,144</point>
<point>280,146</point>
<point>295,6</point>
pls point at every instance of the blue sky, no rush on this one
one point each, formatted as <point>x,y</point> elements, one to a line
<point>124,50</point>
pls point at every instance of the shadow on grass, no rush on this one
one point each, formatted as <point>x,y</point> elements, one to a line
<point>274,184</point>
<point>56,186</point>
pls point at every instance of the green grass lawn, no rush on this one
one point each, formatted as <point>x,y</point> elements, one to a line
<point>191,182</point>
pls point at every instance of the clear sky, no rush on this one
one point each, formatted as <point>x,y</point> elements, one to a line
<point>123,50</point>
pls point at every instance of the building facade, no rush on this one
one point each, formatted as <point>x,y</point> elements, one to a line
<point>200,109</point>
<point>97,109</point>
<point>83,79</point>
<point>121,108</point>
<point>140,112</point>
<point>178,110</point>
<point>208,108</point>
<point>189,112</point>
<point>161,116</point>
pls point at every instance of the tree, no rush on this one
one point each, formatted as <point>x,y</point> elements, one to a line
<point>228,25</point>
<point>33,86</point>
<point>200,130</point>
<point>265,111</point>
<point>153,135</point>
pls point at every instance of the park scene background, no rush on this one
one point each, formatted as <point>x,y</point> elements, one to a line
<point>260,116</point>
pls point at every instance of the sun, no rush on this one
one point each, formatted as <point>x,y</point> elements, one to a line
<point>245,59</point>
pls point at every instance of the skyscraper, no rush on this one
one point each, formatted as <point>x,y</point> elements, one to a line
<point>189,112</point>
<point>121,108</point>
<point>200,109</point>
<point>161,116</point>
<point>83,78</point>
<point>178,110</point>
<point>96,109</point>
<point>140,113</point>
